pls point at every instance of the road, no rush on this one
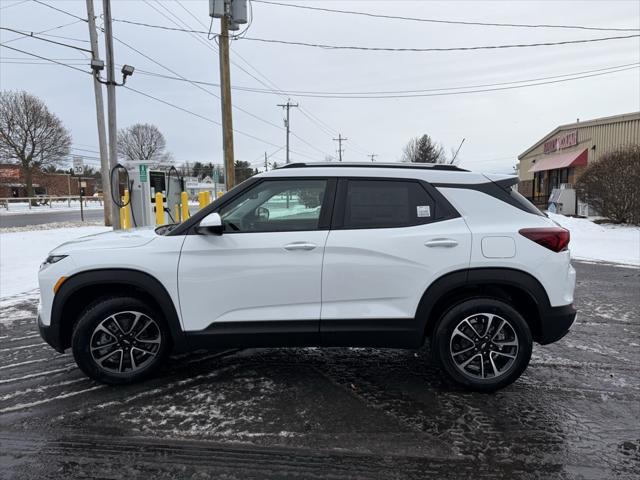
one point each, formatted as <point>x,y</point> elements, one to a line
<point>39,218</point>
<point>91,215</point>
<point>333,413</point>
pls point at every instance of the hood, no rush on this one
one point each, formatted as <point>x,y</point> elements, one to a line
<point>116,239</point>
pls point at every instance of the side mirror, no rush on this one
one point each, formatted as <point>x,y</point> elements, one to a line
<point>262,214</point>
<point>211,224</point>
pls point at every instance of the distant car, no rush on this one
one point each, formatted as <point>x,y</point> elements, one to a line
<point>379,255</point>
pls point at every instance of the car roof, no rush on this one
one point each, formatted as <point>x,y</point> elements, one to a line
<point>434,173</point>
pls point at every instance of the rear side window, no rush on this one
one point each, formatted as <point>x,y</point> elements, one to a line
<point>524,204</point>
<point>386,204</point>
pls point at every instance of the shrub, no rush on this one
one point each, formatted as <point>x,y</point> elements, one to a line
<point>612,185</point>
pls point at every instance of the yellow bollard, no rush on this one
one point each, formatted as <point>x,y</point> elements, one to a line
<point>220,194</point>
<point>202,200</point>
<point>159,209</point>
<point>122,210</point>
<point>208,194</point>
<point>184,200</point>
<point>176,213</point>
<point>126,220</point>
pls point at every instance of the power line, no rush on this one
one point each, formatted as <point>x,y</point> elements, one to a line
<point>400,93</point>
<point>454,22</point>
<point>45,58</point>
<point>60,10</point>
<point>32,35</point>
<point>435,49</point>
<point>14,4</point>
<point>394,49</point>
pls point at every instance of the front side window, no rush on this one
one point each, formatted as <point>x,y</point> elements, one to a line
<point>276,206</point>
<point>387,204</point>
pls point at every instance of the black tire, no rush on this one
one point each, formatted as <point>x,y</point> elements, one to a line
<point>155,340</point>
<point>451,348</point>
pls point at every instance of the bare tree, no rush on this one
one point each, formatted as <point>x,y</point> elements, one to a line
<point>610,185</point>
<point>142,141</point>
<point>30,135</point>
<point>423,150</point>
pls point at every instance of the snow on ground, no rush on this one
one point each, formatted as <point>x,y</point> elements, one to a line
<point>606,243</point>
<point>21,208</point>
<point>21,254</point>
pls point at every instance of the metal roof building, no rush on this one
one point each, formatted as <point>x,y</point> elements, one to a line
<point>562,155</point>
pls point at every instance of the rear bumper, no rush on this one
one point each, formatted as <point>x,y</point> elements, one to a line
<point>51,335</point>
<point>555,323</point>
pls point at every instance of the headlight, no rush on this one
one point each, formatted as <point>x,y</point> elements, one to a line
<point>51,259</point>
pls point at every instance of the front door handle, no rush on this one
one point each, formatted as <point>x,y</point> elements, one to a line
<point>300,246</point>
<point>441,242</point>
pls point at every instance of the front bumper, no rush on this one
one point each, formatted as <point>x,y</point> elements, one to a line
<point>51,335</point>
<point>555,323</point>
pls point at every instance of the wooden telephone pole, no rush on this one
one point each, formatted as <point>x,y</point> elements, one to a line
<point>225,94</point>
<point>340,139</point>
<point>287,124</point>
<point>102,135</point>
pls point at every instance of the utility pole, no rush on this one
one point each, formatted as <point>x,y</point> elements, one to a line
<point>266,163</point>
<point>225,97</point>
<point>373,156</point>
<point>287,106</point>
<point>111,105</point>
<point>102,138</point>
<point>340,139</point>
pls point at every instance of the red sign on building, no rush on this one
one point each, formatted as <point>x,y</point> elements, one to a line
<point>567,140</point>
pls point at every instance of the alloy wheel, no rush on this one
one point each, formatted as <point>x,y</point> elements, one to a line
<point>484,346</point>
<point>125,342</point>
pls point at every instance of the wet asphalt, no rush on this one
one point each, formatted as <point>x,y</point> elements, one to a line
<point>333,413</point>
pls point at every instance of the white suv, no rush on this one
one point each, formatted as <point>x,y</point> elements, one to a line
<point>382,255</point>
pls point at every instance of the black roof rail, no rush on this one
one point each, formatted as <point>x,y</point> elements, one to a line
<point>416,166</point>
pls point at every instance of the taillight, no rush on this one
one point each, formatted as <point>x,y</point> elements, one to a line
<point>553,238</point>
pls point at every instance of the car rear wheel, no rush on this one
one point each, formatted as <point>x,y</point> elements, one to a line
<point>120,340</point>
<point>483,344</point>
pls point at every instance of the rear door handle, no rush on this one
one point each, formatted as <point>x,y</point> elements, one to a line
<point>300,246</point>
<point>442,242</point>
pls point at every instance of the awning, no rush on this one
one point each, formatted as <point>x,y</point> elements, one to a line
<point>560,160</point>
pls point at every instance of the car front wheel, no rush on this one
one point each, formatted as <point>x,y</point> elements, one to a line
<point>120,340</point>
<point>483,344</point>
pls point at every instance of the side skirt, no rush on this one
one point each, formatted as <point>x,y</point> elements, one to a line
<point>384,333</point>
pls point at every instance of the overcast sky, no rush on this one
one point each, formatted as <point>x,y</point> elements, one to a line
<point>497,125</point>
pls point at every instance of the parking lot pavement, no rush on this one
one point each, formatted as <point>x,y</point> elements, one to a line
<point>333,413</point>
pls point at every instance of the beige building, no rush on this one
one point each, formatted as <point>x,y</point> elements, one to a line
<point>558,159</point>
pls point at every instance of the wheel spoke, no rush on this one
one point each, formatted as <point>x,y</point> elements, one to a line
<point>148,352</point>
<point>455,354</point>
<point>493,365</point>
<point>458,332</point>
<point>507,343</point>
<point>115,320</point>
<point>103,329</point>
<point>490,318</point>
<point>466,320</point>
<point>135,322</point>
<point>100,347</point>
<point>149,322</point>
<point>133,361</point>
<point>104,357</point>
<point>500,327</point>
<point>508,355</point>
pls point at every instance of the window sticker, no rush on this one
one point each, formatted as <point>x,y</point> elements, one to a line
<point>423,211</point>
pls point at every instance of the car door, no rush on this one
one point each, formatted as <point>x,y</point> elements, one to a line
<point>264,270</point>
<point>390,239</point>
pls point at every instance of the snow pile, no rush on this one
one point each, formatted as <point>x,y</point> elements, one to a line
<point>606,243</point>
<point>21,254</point>
<point>21,208</point>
